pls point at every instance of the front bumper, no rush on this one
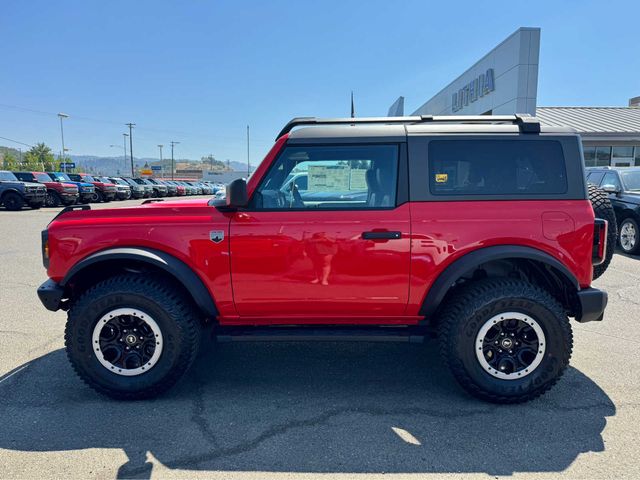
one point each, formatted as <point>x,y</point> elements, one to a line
<point>50,294</point>
<point>123,194</point>
<point>592,305</point>
<point>38,196</point>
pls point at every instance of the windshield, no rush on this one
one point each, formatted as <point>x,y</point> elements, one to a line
<point>42,177</point>
<point>631,180</point>
<point>88,178</point>
<point>8,177</point>
<point>60,177</point>
<point>139,181</point>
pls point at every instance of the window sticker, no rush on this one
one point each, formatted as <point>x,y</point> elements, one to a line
<point>442,177</point>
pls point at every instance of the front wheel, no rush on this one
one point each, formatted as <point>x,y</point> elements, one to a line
<point>505,340</point>
<point>13,201</point>
<point>629,236</point>
<point>130,337</point>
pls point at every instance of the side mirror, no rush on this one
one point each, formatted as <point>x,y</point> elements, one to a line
<point>237,196</point>
<point>610,188</point>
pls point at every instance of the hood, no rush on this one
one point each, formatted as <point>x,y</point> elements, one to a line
<point>146,213</point>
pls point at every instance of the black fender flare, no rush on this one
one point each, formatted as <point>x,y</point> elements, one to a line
<point>165,261</point>
<point>11,190</point>
<point>474,259</point>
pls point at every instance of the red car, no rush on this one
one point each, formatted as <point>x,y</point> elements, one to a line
<point>105,192</point>
<point>57,193</point>
<point>477,229</point>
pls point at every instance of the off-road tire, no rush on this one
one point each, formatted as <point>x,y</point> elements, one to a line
<point>53,199</point>
<point>468,309</point>
<point>172,310</point>
<point>602,208</point>
<point>636,248</point>
<point>13,201</point>
<point>99,196</point>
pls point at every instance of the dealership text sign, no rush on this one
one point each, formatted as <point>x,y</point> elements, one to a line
<point>476,88</point>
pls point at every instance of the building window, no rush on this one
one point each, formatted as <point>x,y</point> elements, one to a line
<point>637,156</point>
<point>589,156</point>
<point>622,156</point>
<point>603,156</point>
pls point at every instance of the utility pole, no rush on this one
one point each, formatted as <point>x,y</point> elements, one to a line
<point>63,115</point>
<point>248,164</point>
<point>124,141</point>
<point>172,160</point>
<point>162,169</point>
<point>131,125</point>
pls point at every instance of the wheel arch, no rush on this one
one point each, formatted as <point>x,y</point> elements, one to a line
<point>546,269</point>
<point>11,190</point>
<point>104,263</point>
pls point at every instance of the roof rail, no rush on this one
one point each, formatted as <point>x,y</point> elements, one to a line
<point>526,123</point>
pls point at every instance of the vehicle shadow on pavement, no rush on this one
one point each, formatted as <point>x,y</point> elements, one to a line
<point>307,407</point>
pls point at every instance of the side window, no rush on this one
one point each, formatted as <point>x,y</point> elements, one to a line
<point>611,178</point>
<point>496,167</point>
<point>594,178</point>
<point>330,177</point>
<point>24,177</point>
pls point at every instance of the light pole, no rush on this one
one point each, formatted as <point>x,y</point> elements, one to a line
<point>248,164</point>
<point>162,169</point>
<point>172,161</point>
<point>63,115</point>
<point>131,125</point>
<point>124,141</point>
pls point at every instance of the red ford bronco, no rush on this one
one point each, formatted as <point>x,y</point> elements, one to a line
<point>476,229</point>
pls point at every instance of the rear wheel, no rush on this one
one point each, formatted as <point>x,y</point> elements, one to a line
<point>12,201</point>
<point>505,340</point>
<point>629,236</point>
<point>602,208</point>
<point>131,337</point>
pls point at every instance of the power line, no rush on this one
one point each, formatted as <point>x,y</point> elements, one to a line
<point>16,141</point>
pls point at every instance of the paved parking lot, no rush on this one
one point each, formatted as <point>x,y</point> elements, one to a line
<point>340,410</point>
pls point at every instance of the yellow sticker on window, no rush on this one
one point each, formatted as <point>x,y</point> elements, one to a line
<point>442,177</point>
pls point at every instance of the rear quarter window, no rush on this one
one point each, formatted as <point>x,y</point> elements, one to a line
<point>496,167</point>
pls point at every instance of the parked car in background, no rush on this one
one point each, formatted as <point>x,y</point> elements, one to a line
<point>172,190</point>
<point>159,189</point>
<point>15,194</point>
<point>86,190</point>
<point>137,190</point>
<point>180,189</point>
<point>57,193</point>
<point>104,192</point>
<point>148,188</point>
<point>123,190</point>
<point>622,184</point>
<point>197,187</point>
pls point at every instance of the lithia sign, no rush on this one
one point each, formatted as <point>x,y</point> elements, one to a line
<point>480,86</point>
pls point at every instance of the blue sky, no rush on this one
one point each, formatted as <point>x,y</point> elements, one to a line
<point>198,72</point>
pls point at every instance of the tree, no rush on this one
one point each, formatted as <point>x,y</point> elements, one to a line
<point>39,157</point>
<point>9,162</point>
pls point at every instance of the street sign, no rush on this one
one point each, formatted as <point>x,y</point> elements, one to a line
<point>145,171</point>
<point>156,168</point>
<point>65,165</point>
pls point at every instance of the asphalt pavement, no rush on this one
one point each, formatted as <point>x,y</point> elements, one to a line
<point>308,410</point>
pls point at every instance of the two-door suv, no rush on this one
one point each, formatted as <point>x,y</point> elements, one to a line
<point>478,229</point>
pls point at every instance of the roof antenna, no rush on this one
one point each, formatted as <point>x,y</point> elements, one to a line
<point>353,110</point>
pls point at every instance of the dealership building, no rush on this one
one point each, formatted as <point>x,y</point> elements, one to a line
<point>505,81</point>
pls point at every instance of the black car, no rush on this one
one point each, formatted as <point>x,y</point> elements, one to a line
<point>14,194</point>
<point>622,184</point>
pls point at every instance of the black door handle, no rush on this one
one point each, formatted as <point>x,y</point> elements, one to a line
<point>381,235</point>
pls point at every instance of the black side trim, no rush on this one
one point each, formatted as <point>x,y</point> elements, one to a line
<point>178,269</point>
<point>50,294</point>
<point>592,305</point>
<point>476,258</point>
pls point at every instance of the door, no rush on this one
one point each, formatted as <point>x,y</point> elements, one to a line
<point>326,237</point>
